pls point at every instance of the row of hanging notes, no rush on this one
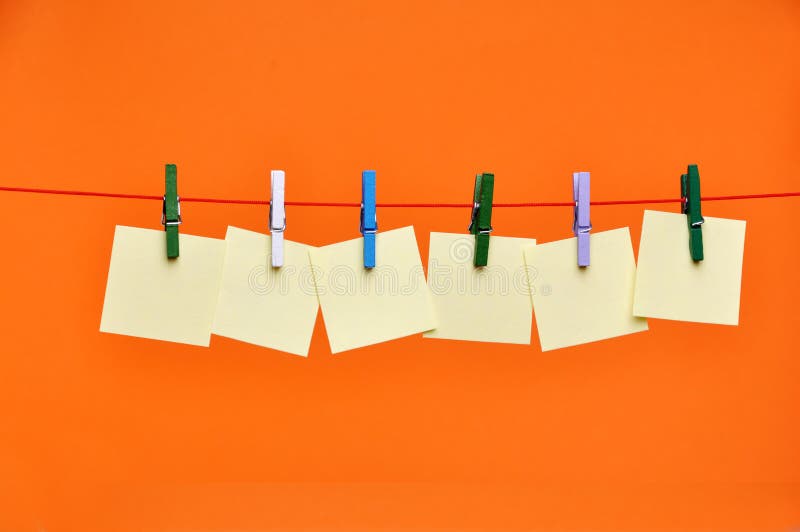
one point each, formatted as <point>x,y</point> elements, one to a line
<point>230,288</point>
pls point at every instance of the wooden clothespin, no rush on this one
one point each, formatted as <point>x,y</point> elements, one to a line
<point>369,217</point>
<point>277,215</point>
<point>480,223</point>
<point>690,195</point>
<point>582,224</point>
<point>171,211</point>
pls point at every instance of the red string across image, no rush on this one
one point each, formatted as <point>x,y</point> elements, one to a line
<point>410,205</point>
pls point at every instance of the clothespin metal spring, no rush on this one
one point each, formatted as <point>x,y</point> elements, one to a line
<point>164,221</point>
<point>276,229</point>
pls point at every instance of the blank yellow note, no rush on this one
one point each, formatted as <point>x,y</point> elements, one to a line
<point>671,286</point>
<point>262,305</point>
<point>575,305</point>
<point>488,304</point>
<point>367,306</point>
<point>150,296</point>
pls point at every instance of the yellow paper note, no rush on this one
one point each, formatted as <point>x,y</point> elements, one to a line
<point>575,305</point>
<point>366,306</point>
<point>150,296</point>
<point>488,304</point>
<point>671,286</point>
<point>262,305</point>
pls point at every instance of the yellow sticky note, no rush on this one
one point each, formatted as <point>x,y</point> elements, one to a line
<point>671,286</point>
<point>262,305</point>
<point>150,296</point>
<point>575,305</point>
<point>488,304</point>
<point>362,306</point>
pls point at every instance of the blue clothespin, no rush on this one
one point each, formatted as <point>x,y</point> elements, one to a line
<point>369,216</point>
<point>582,223</point>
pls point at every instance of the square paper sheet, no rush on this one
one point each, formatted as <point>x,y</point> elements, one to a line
<point>488,304</point>
<point>262,305</point>
<point>575,305</point>
<point>671,286</point>
<point>362,307</point>
<point>150,296</point>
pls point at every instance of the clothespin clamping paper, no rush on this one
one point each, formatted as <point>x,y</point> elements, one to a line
<point>369,216</point>
<point>690,196</point>
<point>277,215</point>
<point>481,221</point>
<point>171,211</point>
<point>582,224</point>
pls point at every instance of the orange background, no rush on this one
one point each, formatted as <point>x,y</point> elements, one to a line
<point>685,427</point>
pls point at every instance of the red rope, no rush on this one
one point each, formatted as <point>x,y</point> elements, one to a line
<point>422,205</point>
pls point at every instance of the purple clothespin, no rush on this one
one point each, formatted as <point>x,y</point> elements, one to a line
<point>582,224</point>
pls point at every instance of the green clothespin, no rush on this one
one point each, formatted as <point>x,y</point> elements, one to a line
<point>690,194</point>
<point>481,223</point>
<point>171,211</point>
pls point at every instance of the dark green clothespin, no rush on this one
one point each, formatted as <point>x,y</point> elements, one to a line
<point>481,222</point>
<point>171,211</point>
<point>690,195</point>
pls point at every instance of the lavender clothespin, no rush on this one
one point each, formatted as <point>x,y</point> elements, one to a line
<point>582,224</point>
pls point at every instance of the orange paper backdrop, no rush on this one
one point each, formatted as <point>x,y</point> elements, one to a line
<point>685,427</point>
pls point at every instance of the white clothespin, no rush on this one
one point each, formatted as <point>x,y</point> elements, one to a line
<point>277,215</point>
